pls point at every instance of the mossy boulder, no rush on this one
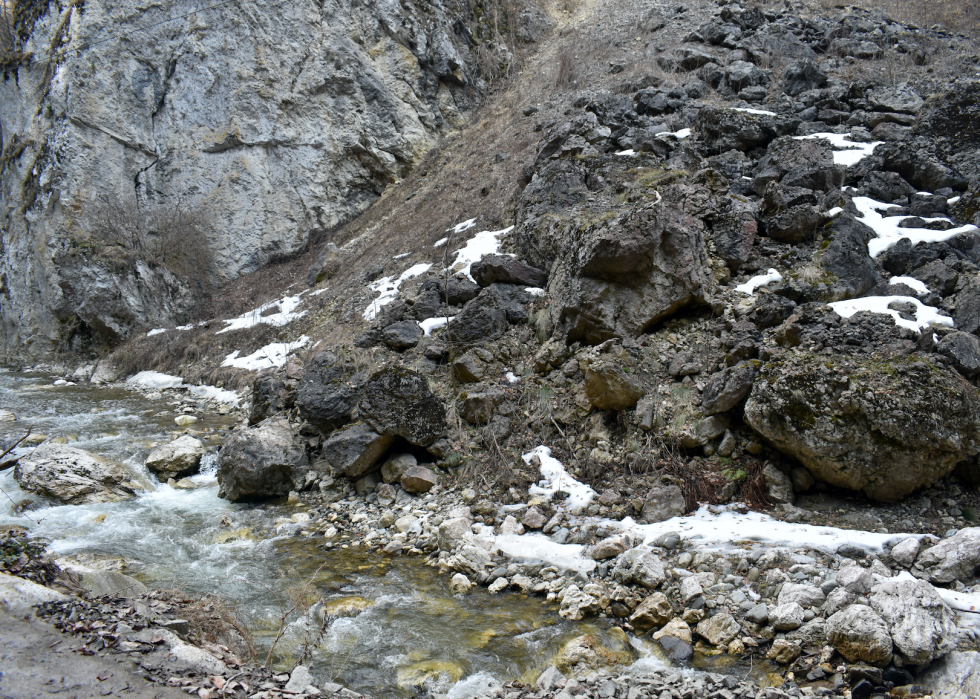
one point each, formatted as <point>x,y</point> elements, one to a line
<point>883,426</point>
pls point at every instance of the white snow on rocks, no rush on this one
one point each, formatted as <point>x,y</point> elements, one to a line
<point>154,380</point>
<point>754,283</point>
<point>483,243</point>
<point>388,289</point>
<point>430,324</point>
<point>629,152</point>
<point>747,110</point>
<point>846,152</point>
<point>286,314</point>
<point>272,355</point>
<point>160,331</point>
<point>537,547</point>
<point>912,283</point>
<point>888,231</point>
<point>924,315</point>
<point>557,480</point>
<point>534,290</point>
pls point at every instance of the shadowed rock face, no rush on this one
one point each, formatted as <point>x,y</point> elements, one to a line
<point>261,462</point>
<point>278,119</point>
<point>887,426</point>
<point>398,402</point>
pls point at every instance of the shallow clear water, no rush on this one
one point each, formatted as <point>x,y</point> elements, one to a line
<point>413,629</point>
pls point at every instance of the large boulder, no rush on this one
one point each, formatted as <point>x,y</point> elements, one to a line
<point>398,402</point>
<point>327,393</point>
<point>628,272</point>
<point>490,314</point>
<point>922,627</point>
<point>883,426</point>
<point>722,129</point>
<point>728,388</point>
<point>719,629</point>
<point>955,558</point>
<point>860,635</point>
<point>180,458</point>
<point>73,476</point>
<point>506,270</point>
<point>955,676</point>
<point>800,76</point>
<point>356,449</point>
<point>261,462</point>
<point>609,387</point>
<point>269,396</point>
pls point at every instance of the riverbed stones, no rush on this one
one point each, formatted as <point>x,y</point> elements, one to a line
<point>454,532</point>
<point>576,604</point>
<point>955,558</point>
<point>690,589</point>
<point>73,476</point>
<point>784,652</point>
<point>640,566</point>
<point>460,584</point>
<point>398,402</point>
<point>904,552</point>
<point>261,462</point>
<point>921,625</point>
<point>663,503</point>
<point>886,428</point>
<point>804,595</point>
<point>860,635</point>
<point>180,458</point>
<point>655,610</point>
<point>609,547</point>
<point>786,617</point>
<point>719,630</point>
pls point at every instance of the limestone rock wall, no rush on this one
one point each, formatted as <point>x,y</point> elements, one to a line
<point>277,118</point>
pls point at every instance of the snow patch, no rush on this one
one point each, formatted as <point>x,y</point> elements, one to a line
<point>272,355</point>
<point>473,686</point>
<point>952,200</point>
<point>482,244</point>
<point>512,377</point>
<point>534,290</point>
<point>159,331</point>
<point>430,324</point>
<point>154,380</point>
<point>402,256</point>
<point>219,395</point>
<point>924,315</point>
<point>846,152</point>
<point>747,110</point>
<point>439,243</point>
<point>888,231</point>
<point>912,283</point>
<point>755,282</point>
<point>557,480</point>
<point>537,547</point>
<point>683,133</point>
<point>286,314</point>
<point>464,226</point>
<point>628,152</point>
<point>835,212</point>
<point>388,289</point>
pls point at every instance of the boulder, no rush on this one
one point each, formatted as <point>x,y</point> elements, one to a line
<point>367,484</point>
<point>728,388</point>
<point>719,630</point>
<point>811,634</point>
<point>506,270</point>
<point>355,450</point>
<point>887,427</point>
<point>460,584</point>
<point>904,552</point>
<point>269,396</point>
<point>779,486</point>
<point>662,503</point>
<point>327,393</point>
<point>722,129</point>
<point>111,583</point>
<point>801,76</point>
<point>922,627</point>
<point>73,476</point>
<point>455,291</point>
<point>953,558</point>
<point>398,402</point>
<point>655,610</point>
<point>954,677</point>
<point>784,652</point>
<point>180,458</point>
<point>533,518</point>
<point>963,351</point>
<point>576,604</point>
<point>609,387</point>
<point>609,547</point>
<point>395,467</point>
<point>473,366</point>
<point>647,570</point>
<point>855,579</point>
<point>261,462</point>
<point>402,335</point>
<point>678,628</point>
<point>804,595</point>
<point>419,479</point>
<point>690,589</point>
<point>903,100</point>
<point>478,408</point>
<point>786,617</point>
<point>860,635</point>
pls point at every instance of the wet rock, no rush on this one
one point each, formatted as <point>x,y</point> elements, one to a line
<point>402,335</point>
<point>728,388</point>
<point>784,652</point>
<point>261,462</point>
<point>719,630</point>
<point>953,558</point>
<point>922,627</point>
<point>881,447</point>
<point>662,503</point>
<point>180,458</point>
<point>610,388</point>
<point>678,650</point>
<point>355,449</point>
<point>73,476</point>
<point>507,270</point>
<point>860,635</point>
<point>800,76</point>
<point>460,584</point>
<point>269,396</point>
<point>419,479</point>
<point>655,610</point>
<point>678,628</point>
<point>398,402</point>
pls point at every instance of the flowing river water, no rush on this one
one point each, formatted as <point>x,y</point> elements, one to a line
<point>412,629</point>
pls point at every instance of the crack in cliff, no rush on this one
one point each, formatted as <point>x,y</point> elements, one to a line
<point>232,141</point>
<point>114,136</point>
<point>162,100</point>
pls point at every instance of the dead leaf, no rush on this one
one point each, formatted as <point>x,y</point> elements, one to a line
<point>218,681</point>
<point>204,693</point>
<point>156,639</point>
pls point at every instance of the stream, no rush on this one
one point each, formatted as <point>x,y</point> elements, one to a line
<point>412,629</point>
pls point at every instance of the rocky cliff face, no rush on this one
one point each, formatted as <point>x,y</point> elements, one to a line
<point>275,119</point>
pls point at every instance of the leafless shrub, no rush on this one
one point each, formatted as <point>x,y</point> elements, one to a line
<point>167,234</point>
<point>565,67</point>
<point>7,37</point>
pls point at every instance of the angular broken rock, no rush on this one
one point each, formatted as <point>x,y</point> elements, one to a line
<point>355,450</point>
<point>922,627</point>
<point>419,479</point>
<point>73,476</point>
<point>180,458</point>
<point>955,558</point>
<point>786,617</point>
<point>398,402</point>
<point>533,519</point>
<point>784,652</point>
<point>655,610</point>
<point>506,270</point>
<point>608,387</point>
<point>261,462</point>
<point>860,635</point>
<point>904,552</point>
<point>727,388</point>
<point>719,630</point>
<point>663,503</point>
<point>804,595</point>
<point>575,604</point>
<point>609,547</point>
